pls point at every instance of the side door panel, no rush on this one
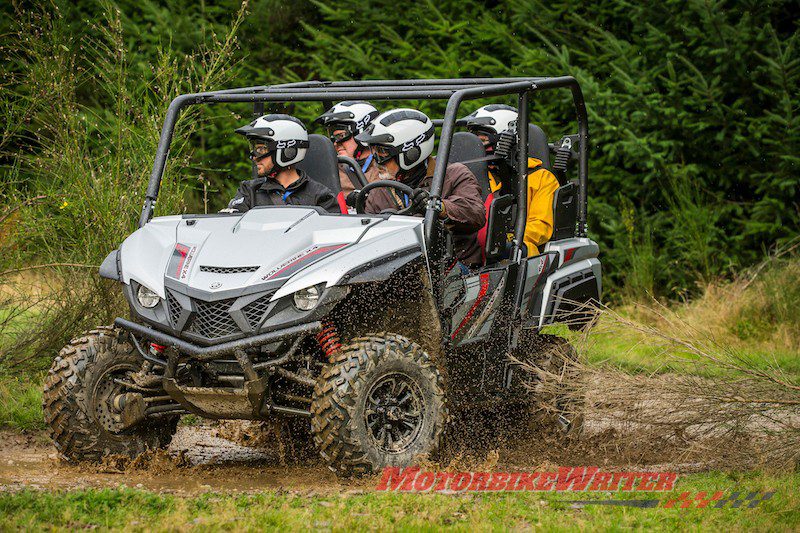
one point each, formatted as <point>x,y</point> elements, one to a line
<point>537,270</point>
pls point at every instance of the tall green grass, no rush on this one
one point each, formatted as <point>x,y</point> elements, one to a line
<point>83,116</point>
<point>21,402</point>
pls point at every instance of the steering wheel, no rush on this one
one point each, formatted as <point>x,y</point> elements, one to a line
<point>361,198</point>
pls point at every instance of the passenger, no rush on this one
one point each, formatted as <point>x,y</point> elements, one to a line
<point>402,141</point>
<point>488,122</point>
<point>344,121</point>
<point>277,144</point>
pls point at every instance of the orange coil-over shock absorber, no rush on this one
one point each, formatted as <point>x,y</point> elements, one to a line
<point>328,339</point>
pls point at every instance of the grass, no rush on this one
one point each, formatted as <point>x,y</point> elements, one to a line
<point>632,353</point>
<point>21,403</point>
<point>139,510</point>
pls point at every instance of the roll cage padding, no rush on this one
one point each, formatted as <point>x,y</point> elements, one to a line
<point>466,147</point>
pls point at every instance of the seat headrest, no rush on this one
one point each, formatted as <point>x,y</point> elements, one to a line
<point>320,162</point>
<point>537,145</point>
<point>465,147</point>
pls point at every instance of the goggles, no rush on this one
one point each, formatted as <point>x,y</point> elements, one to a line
<point>339,135</point>
<point>258,150</point>
<point>382,151</point>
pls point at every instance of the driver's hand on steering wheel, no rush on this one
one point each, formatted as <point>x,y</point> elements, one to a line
<point>350,199</point>
<point>419,200</point>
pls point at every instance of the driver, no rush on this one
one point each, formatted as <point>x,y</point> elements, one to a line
<point>488,122</point>
<point>277,143</point>
<point>402,141</point>
<point>344,121</point>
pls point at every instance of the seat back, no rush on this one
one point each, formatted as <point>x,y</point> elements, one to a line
<point>321,165</point>
<point>466,147</point>
<point>565,211</point>
<point>537,145</point>
<point>320,162</point>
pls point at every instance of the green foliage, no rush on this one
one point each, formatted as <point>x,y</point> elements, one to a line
<point>693,111</point>
<point>84,107</point>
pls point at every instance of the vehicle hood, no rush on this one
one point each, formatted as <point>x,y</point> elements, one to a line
<point>285,248</point>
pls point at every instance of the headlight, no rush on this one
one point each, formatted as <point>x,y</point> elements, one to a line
<point>307,299</point>
<point>147,298</point>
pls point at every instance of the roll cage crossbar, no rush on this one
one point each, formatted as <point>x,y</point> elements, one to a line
<point>455,91</point>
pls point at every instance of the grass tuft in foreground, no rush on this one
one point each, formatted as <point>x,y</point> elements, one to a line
<point>138,510</point>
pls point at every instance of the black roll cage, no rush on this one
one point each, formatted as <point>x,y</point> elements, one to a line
<point>455,91</point>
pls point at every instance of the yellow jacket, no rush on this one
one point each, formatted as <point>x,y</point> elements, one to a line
<point>542,185</point>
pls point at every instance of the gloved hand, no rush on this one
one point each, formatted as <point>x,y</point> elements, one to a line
<point>419,200</point>
<point>350,199</point>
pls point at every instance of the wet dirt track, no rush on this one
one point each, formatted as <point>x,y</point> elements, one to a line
<point>196,461</point>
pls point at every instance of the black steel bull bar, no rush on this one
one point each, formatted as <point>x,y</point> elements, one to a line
<point>206,353</point>
<point>254,400</point>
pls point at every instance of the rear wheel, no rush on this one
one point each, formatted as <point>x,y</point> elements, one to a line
<point>79,400</point>
<point>380,403</point>
<point>549,374</point>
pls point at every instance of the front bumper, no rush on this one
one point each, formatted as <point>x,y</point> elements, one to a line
<point>253,400</point>
<point>207,353</point>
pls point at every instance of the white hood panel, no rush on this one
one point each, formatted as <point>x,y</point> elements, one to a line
<point>296,245</point>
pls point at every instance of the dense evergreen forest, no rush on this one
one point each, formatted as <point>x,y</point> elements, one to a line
<point>694,112</point>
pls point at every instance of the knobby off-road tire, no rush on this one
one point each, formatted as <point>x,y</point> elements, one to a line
<point>77,394</point>
<point>378,384</point>
<point>552,374</point>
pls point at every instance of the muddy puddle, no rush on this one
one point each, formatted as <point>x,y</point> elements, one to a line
<point>196,461</point>
<point>239,456</point>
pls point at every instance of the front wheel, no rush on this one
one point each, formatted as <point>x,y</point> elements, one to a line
<point>380,403</point>
<point>79,400</point>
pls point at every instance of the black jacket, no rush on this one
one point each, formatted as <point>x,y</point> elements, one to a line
<point>265,191</point>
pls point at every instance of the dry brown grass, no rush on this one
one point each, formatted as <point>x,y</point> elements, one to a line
<point>717,407</point>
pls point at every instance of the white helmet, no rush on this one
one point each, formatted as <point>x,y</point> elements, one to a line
<point>492,120</point>
<point>285,136</point>
<point>407,134</point>
<point>352,117</point>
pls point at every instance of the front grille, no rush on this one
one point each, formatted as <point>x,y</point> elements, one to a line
<point>227,270</point>
<point>174,308</point>
<point>212,319</point>
<point>255,311</point>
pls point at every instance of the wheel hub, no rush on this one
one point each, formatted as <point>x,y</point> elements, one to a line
<point>108,400</point>
<point>394,412</point>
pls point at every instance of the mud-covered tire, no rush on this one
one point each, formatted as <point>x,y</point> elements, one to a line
<point>343,412</point>
<point>70,407</point>
<point>551,372</point>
